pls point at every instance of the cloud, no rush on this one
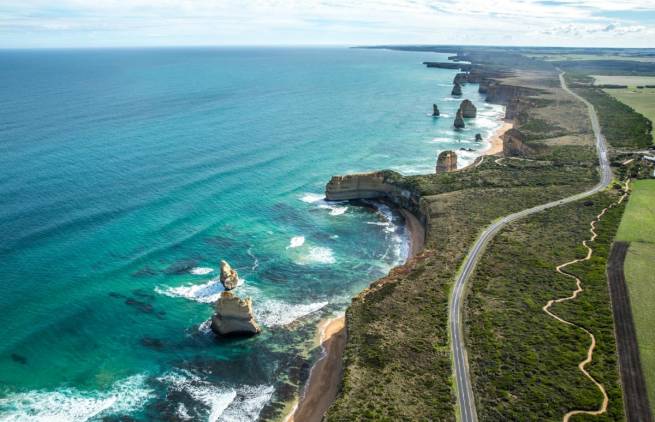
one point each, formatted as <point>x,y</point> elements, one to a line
<point>174,22</point>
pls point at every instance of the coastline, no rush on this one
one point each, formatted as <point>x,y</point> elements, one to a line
<point>322,386</point>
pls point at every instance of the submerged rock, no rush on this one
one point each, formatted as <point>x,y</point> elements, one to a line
<point>468,109</point>
<point>457,90</point>
<point>234,316</point>
<point>459,120</point>
<point>435,110</point>
<point>478,137</point>
<point>446,162</point>
<point>229,276</point>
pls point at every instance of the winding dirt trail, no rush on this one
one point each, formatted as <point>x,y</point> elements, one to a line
<point>590,352</point>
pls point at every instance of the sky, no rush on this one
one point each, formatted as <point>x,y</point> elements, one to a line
<point>136,23</point>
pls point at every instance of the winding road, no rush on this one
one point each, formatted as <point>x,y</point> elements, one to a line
<point>465,399</point>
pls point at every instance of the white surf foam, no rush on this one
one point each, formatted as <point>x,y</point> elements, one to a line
<point>125,396</point>
<point>208,292</point>
<point>310,198</point>
<point>201,270</point>
<point>233,404</point>
<point>296,242</point>
<point>317,255</point>
<point>277,313</point>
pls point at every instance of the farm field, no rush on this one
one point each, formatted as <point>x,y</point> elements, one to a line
<point>642,100</point>
<point>629,80</point>
<point>638,227</point>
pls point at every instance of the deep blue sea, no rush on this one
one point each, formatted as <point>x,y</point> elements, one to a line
<point>126,175</point>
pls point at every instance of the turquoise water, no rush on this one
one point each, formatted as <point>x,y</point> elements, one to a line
<point>126,175</point>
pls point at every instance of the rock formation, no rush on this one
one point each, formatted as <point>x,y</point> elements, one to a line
<point>435,110</point>
<point>446,162</point>
<point>229,276</point>
<point>459,120</point>
<point>234,316</point>
<point>514,144</point>
<point>468,109</point>
<point>460,78</point>
<point>478,137</point>
<point>457,90</point>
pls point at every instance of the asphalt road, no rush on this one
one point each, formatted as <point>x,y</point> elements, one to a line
<point>465,398</point>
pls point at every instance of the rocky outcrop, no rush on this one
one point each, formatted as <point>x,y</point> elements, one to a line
<point>514,144</point>
<point>435,110</point>
<point>234,316</point>
<point>376,185</point>
<point>460,78</point>
<point>446,162</point>
<point>464,67</point>
<point>229,276</point>
<point>468,109</point>
<point>478,137</point>
<point>459,120</point>
<point>457,90</point>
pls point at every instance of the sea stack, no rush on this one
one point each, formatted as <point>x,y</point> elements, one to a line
<point>446,162</point>
<point>459,120</point>
<point>478,137</point>
<point>229,276</point>
<point>435,110</point>
<point>457,90</point>
<point>460,78</point>
<point>234,316</point>
<point>468,109</point>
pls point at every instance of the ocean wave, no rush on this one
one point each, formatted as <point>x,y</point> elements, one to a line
<point>277,313</point>
<point>334,209</point>
<point>296,242</point>
<point>317,255</point>
<point>310,198</point>
<point>70,404</point>
<point>234,404</point>
<point>208,292</point>
<point>201,270</point>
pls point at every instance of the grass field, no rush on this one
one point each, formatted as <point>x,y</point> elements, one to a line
<point>623,80</point>
<point>562,57</point>
<point>642,100</point>
<point>638,227</point>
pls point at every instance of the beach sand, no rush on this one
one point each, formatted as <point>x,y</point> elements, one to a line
<point>496,141</point>
<point>323,384</point>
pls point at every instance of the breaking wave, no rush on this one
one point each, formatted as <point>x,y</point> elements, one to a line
<point>221,404</point>
<point>296,241</point>
<point>70,404</point>
<point>201,270</point>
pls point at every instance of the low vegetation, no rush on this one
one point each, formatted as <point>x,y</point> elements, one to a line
<point>622,125</point>
<point>642,100</point>
<point>638,228</point>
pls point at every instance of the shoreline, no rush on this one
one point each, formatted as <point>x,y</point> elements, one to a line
<point>322,386</point>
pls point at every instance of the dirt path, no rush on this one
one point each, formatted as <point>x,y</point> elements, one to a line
<point>590,352</point>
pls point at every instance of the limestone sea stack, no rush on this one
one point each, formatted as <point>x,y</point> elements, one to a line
<point>229,276</point>
<point>460,78</point>
<point>446,162</point>
<point>457,90</point>
<point>435,110</point>
<point>234,316</point>
<point>478,137</point>
<point>459,120</point>
<point>468,109</point>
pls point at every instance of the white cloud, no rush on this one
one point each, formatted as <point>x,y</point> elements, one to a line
<point>317,21</point>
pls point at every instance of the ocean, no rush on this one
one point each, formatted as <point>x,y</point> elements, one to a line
<point>126,176</point>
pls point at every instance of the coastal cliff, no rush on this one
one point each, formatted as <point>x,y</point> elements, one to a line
<point>377,185</point>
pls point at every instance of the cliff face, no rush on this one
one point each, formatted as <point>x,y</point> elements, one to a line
<point>514,144</point>
<point>503,94</point>
<point>376,185</point>
<point>446,162</point>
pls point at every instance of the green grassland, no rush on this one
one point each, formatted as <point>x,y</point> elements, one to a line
<point>642,100</point>
<point>628,80</point>
<point>569,57</point>
<point>621,125</point>
<point>638,227</point>
<point>524,362</point>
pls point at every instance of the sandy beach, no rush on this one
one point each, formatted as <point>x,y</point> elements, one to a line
<point>323,384</point>
<point>496,141</point>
